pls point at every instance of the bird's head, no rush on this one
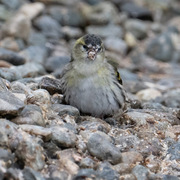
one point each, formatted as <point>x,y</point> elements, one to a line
<point>88,48</point>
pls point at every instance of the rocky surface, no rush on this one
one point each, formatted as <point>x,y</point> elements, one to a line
<point>43,139</point>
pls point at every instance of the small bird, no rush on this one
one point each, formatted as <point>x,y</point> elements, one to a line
<point>90,82</point>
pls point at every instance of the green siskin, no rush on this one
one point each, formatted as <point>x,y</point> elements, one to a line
<point>90,82</point>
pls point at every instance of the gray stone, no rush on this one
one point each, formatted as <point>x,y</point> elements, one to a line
<point>31,55</point>
<point>161,47</point>
<point>135,11</point>
<point>117,45</point>
<point>31,114</point>
<point>67,16</point>
<point>105,30</point>
<point>171,98</point>
<point>49,27</point>
<point>12,4</point>
<point>37,39</point>
<point>99,14</point>
<point>140,172</point>
<point>137,27</point>
<point>103,149</point>
<point>51,85</point>
<point>30,174</point>
<point>18,87</point>
<point>56,62</point>
<point>174,150</point>
<point>62,109</point>
<point>7,156</point>
<point>12,44</point>
<point>4,13</point>
<point>72,32</point>
<point>18,26</point>
<point>30,153</point>
<point>11,57</point>
<point>3,85</point>
<point>170,177</point>
<point>85,173</point>
<point>9,104</point>
<point>63,137</point>
<point>87,163</point>
<point>106,172</point>
<point>13,173</point>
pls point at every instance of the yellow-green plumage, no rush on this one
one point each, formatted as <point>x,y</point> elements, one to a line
<point>89,82</point>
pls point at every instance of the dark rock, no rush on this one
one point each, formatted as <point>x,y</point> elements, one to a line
<point>140,172</point>
<point>85,173</point>
<point>137,27</point>
<point>161,47</point>
<point>174,150</point>
<point>63,137</point>
<point>65,109</point>
<point>49,27</point>
<point>106,172</point>
<point>11,57</point>
<point>9,104</point>
<point>51,85</point>
<point>54,63</point>
<point>30,174</point>
<point>31,114</point>
<point>135,11</point>
<point>103,149</point>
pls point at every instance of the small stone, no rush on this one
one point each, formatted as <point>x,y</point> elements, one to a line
<point>30,153</point>
<point>170,177</point>
<point>85,173</point>
<point>174,150</point>
<point>72,32</point>
<point>30,173</point>
<point>139,118</point>
<point>48,26</point>
<point>137,27</point>
<point>31,55</point>
<point>18,26</point>
<point>140,172</point>
<point>38,131</point>
<point>65,109</point>
<point>100,14</point>
<point>123,168</point>
<point>4,64</point>
<point>12,44</point>
<point>135,11</point>
<point>87,163</point>
<point>127,177</point>
<point>11,57</point>
<point>32,10</point>
<point>161,47</point>
<point>9,104</point>
<point>105,30</point>
<point>10,74</point>
<point>15,4</point>
<point>105,171</point>
<point>31,114</point>
<point>132,157</point>
<point>3,85</point>
<point>148,94</point>
<point>51,85</point>
<point>103,149</point>
<point>56,62</point>
<point>5,14</point>
<point>63,137</point>
<point>116,45</point>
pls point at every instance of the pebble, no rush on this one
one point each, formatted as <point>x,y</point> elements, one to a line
<point>49,27</point>
<point>137,27</point>
<point>148,94</point>
<point>103,149</point>
<point>11,57</point>
<point>63,137</point>
<point>9,104</point>
<point>31,114</point>
<point>140,172</point>
<point>18,26</point>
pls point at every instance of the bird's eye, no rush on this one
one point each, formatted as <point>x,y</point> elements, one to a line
<point>85,47</point>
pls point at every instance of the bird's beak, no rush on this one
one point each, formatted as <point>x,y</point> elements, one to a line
<point>92,54</point>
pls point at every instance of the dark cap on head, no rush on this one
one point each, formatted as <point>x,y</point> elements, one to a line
<point>92,39</point>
